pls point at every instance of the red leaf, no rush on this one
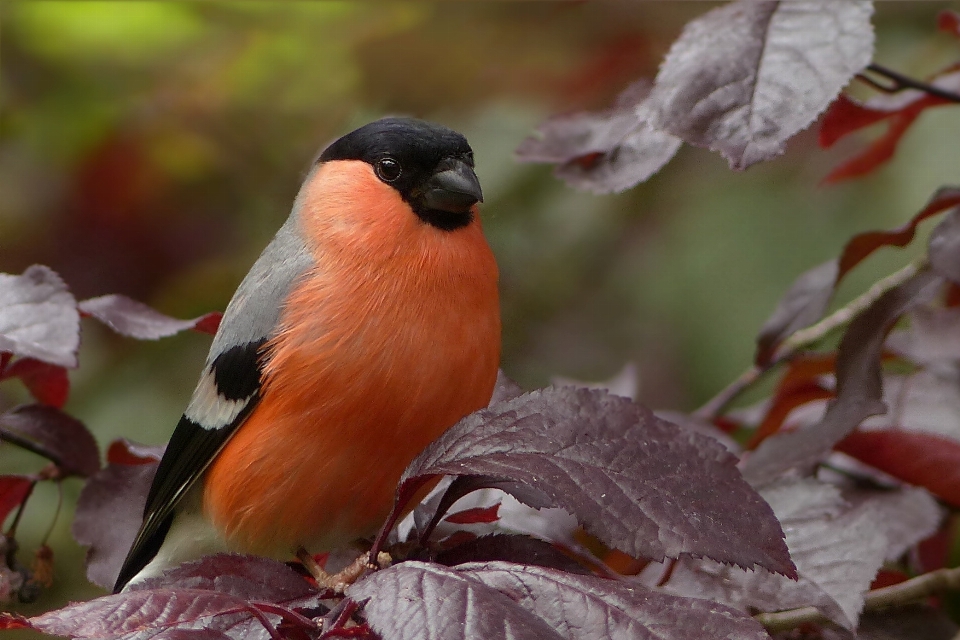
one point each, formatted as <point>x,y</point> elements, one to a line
<point>13,621</point>
<point>862,245</point>
<point>844,116</point>
<point>13,491</point>
<point>923,459</point>
<point>122,451</point>
<point>51,433</point>
<point>136,320</point>
<point>901,109</point>
<point>209,323</point>
<point>782,405</point>
<point>476,515</point>
<point>878,152</point>
<point>48,383</point>
<point>949,21</point>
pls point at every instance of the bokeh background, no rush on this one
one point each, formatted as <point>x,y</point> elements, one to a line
<point>152,149</point>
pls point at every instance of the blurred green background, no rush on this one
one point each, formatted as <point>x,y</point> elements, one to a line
<point>152,149</point>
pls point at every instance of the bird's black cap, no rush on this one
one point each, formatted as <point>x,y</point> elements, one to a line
<point>430,165</point>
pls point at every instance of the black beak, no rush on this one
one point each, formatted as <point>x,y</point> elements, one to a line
<point>453,187</point>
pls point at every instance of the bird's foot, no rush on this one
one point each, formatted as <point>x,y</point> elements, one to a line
<point>338,582</point>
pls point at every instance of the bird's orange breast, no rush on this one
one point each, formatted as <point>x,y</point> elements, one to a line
<point>392,337</point>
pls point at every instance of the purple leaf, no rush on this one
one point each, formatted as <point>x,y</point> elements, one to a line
<point>505,389</point>
<point>53,434</point>
<point>406,600</point>
<point>154,614</point>
<point>744,78</point>
<point>837,541</point>
<point>136,320</point>
<point>507,548</point>
<point>38,317</point>
<point>606,151</point>
<point>109,513</point>
<point>247,577</point>
<point>943,248</point>
<point>638,483</point>
<point>859,388</point>
<point>578,606</point>
<point>802,305</point>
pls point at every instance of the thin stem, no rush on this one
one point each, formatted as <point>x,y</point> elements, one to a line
<point>12,531</point>
<point>903,593</point>
<point>262,618</point>
<point>901,82</point>
<point>56,513</point>
<point>805,337</point>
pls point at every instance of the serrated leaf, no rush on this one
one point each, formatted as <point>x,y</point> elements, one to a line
<point>53,434</point>
<point>109,513</point>
<point>406,600</point>
<point>578,606</point>
<point>838,543</point>
<point>152,614</point>
<point>638,483</point>
<point>859,388</point>
<point>134,319</point>
<point>744,78</point>
<point>38,317</point>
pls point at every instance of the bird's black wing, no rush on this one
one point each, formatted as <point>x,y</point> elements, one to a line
<point>228,391</point>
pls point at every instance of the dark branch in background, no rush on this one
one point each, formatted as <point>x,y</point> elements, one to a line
<point>901,82</point>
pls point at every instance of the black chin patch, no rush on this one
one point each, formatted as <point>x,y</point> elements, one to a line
<point>444,220</point>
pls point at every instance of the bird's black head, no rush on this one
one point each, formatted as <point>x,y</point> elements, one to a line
<point>429,165</point>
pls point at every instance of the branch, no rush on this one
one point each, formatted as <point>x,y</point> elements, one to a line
<point>900,594</point>
<point>805,337</point>
<point>901,82</point>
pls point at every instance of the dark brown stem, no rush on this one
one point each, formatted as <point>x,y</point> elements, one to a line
<point>901,82</point>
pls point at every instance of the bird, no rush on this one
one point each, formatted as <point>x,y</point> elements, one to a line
<point>368,326</point>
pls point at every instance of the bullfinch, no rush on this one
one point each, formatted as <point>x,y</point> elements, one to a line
<point>368,326</point>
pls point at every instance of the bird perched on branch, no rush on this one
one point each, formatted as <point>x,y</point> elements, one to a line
<point>368,326</point>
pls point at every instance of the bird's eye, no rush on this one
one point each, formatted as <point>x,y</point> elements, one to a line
<point>388,169</point>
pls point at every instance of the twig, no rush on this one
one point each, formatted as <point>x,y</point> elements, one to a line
<point>901,82</point>
<point>900,594</point>
<point>805,337</point>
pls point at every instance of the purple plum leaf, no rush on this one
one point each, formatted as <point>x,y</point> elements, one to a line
<point>747,76</point>
<point>638,483</point>
<point>39,317</point>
